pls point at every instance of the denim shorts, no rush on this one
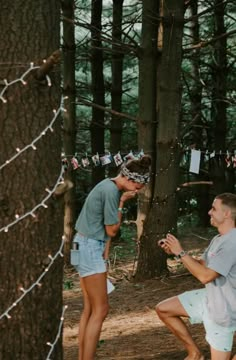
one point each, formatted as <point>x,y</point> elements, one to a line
<point>90,256</point>
<point>219,337</point>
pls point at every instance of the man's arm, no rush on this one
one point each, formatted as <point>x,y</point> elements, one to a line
<point>197,268</point>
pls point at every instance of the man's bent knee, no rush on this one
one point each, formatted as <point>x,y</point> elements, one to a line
<point>162,309</point>
<point>170,307</point>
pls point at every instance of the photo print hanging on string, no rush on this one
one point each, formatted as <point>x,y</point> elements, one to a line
<point>129,156</point>
<point>106,159</point>
<point>140,154</point>
<point>96,160</point>
<point>118,159</point>
<point>75,162</point>
<point>85,161</point>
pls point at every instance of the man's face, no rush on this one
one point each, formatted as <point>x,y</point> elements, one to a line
<point>217,213</point>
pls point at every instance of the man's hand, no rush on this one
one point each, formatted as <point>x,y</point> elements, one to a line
<point>164,246</point>
<point>173,244</point>
<point>170,245</point>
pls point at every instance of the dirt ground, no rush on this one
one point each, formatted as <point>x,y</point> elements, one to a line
<point>132,329</point>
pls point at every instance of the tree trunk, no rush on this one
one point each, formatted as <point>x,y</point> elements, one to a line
<point>219,104</point>
<point>69,132</point>
<point>116,86</point>
<point>196,132</point>
<point>30,32</point>
<point>147,100</point>
<point>97,125</point>
<point>162,214</point>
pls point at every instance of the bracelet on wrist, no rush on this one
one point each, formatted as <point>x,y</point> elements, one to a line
<point>180,255</point>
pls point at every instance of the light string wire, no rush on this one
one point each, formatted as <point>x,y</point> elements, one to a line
<point>50,192</point>
<point>32,144</point>
<point>41,204</point>
<point>52,345</point>
<point>20,79</point>
<point>37,282</point>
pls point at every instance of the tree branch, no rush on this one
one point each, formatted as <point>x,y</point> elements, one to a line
<point>202,44</point>
<point>197,183</point>
<point>48,64</point>
<point>103,108</point>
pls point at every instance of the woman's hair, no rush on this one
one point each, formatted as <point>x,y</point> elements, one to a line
<point>229,200</point>
<point>140,166</point>
<point>137,170</point>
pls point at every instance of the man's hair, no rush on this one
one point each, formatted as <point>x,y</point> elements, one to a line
<point>229,200</point>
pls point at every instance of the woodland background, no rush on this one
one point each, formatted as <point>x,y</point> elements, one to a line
<point>81,78</point>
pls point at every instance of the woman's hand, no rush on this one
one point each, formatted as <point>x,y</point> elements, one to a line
<point>128,195</point>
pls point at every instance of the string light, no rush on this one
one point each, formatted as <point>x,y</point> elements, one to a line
<point>41,204</point>
<point>36,283</point>
<point>52,345</point>
<point>20,79</point>
<point>32,144</point>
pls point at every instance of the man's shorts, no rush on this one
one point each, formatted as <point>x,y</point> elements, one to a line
<point>194,302</point>
<point>90,259</point>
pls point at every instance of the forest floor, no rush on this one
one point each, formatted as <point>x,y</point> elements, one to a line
<point>132,329</point>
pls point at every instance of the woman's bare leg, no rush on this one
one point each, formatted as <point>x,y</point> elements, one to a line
<point>83,319</point>
<point>95,290</point>
<point>170,312</point>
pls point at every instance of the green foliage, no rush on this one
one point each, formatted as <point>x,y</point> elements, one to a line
<point>68,284</point>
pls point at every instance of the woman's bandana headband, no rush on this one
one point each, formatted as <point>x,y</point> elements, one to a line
<point>138,178</point>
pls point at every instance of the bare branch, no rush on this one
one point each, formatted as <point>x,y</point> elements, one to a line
<point>103,108</point>
<point>48,64</point>
<point>197,183</point>
<point>202,44</point>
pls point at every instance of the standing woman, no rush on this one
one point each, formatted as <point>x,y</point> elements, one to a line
<point>98,222</point>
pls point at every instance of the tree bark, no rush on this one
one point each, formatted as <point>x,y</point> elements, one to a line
<point>116,86</point>
<point>69,131</point>
<point>162,214</point>
<point>24,248</point>
<point>219,105</point>
<point>98,90</point>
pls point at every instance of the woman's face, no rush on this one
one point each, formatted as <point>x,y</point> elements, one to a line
<point>131,185</point>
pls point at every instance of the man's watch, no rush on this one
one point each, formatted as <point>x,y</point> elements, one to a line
<point>180,255</point>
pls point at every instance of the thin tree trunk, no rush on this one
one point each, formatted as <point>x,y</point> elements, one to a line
<point>219,105</point>
<point>69,131</point>
<point>98,90</point>
<point>196,133</point>
<point>116,87</point>
<point>24,248</point>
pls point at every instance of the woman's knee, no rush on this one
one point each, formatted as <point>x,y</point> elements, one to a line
<point>102,311</point>
<point>105,310</point>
